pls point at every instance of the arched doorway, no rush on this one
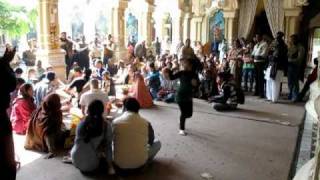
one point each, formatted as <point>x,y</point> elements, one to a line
<point>261,23</point>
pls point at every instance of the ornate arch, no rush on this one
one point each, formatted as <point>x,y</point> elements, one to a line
<point>230,4</point>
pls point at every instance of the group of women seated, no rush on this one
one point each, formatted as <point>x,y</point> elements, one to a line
<point>47,133</point>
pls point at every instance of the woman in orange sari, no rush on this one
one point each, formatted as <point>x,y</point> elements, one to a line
<point>141,92</point>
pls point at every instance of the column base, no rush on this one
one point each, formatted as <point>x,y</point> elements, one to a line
<point>54,58</point>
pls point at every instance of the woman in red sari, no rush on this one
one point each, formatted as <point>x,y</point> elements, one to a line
<point>22,108</point>
<point>141,92</point>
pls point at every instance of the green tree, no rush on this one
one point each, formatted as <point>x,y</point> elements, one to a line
<point>16,20</point>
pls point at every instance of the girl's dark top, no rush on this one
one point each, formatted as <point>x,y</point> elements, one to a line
<point>185,90</point>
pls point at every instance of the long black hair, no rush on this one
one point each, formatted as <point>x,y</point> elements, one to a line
<point>93,123</point>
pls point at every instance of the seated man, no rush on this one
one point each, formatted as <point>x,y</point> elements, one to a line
<point>168,87</point>
<point>79,83</point>
<point>133,141</point>
<point>94,94</point>
<point>153,80</point>
<point>46,86</point>
<point>229,96</point>
<point>99,69</point>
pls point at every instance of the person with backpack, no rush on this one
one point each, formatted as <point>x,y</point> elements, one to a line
<point>230,96</point>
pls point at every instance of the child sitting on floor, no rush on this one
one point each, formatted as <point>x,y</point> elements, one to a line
<point>230,95</point>
<point>168,87</point>
<point>153,80</point>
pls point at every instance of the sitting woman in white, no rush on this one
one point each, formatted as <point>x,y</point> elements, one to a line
<point>93,141</point>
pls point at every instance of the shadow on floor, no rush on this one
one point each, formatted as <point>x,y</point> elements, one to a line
<point>160,169</point>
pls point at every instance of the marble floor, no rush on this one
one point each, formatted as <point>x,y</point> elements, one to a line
<point>256,142</point>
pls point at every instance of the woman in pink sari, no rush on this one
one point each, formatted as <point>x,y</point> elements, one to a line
<point>22,108</point>
<point>141,92</point>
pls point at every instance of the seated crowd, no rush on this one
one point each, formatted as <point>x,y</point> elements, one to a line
<point>40,101</point>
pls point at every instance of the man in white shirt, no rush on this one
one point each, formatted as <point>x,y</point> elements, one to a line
<point>94,94</point>
<point>259,54</point>
<point>133,141</point>
<point>46,86</point>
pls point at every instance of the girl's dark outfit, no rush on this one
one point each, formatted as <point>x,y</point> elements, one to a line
<point>184,94</point>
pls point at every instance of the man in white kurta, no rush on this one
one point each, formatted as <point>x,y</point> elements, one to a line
<point>133,141</point>
<point>277,65</point>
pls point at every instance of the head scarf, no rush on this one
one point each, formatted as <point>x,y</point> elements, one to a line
<point>46,120</point>
<point>49,115</point>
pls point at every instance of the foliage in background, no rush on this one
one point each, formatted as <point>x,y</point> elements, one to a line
<point>16,20</point>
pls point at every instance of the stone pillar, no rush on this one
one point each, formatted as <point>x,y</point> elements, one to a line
<point>196,28</point>
<point>292,18</point>
<point>186,26</point>
<point>146,24</point>
<point>159,26</point>
<point>49,51</point>
<point>118,27</point>
<point>177,28</point>
<point>230,25</point>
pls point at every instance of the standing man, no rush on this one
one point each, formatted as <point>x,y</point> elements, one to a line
<point>223,49</point>
<point>259,54</point>
<point>108,51</point>
<point>83,51</point>
<point>295,58</point>
<point>277,66</point>
<point>187,51</point>
<point>95,51</point>
<point>29,55</point>
<point>67,45</point>
<point>179,49</point>
<point>157,47</point>
<point>140,50</point>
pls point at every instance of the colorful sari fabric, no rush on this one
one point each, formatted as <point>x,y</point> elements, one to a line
<point>141,92</point>
<point>45,123</point>
<point>23,107</point>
